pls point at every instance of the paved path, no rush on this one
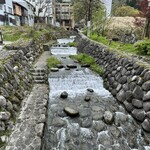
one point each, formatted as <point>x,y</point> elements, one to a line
<point>28,130</point>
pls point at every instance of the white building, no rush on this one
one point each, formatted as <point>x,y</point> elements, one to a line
<point>108,5</point>
<point>44,10</point>
<point>6,12</point>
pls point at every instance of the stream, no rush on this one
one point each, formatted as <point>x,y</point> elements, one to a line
<point>101,123</point>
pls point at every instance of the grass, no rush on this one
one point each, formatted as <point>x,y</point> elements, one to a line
<point>72,44</point>
<point>86,59</point>
<point>52,62</point>
<point>124,47</point>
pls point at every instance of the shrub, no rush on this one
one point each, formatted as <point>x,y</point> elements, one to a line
<point>72,44</point>
<point>143,47</point>
<point>126,11</point>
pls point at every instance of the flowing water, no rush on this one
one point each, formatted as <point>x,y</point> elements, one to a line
<point>89,130</point>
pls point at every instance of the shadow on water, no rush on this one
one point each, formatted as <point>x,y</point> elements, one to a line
<point>101,124</point>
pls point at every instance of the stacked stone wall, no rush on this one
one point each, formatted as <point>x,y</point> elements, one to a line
<point>128,81</point>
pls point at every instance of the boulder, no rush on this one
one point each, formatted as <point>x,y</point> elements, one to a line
<point>146,96</point>
<point>138,92</point>
<point>146,86</point>
<point>137,103</point>
<point>146,106</point>
<point>4,116</point>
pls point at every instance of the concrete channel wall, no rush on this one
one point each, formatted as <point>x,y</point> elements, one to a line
<point>128,81</point>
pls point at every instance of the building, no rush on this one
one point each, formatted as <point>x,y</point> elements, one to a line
<point>6,13</point>
<point>64,14</point>
<point>44,11</point>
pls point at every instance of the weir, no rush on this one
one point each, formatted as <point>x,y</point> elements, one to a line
<point>101,123</point>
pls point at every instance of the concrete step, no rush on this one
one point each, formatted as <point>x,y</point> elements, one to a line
<point>39,81</point>
<point>39,77</point>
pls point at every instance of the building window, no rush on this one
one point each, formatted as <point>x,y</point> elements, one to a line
<point>10,10</point>
<point>1,7</point>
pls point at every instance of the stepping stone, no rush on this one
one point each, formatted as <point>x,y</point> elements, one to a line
<point>67,68</point>
<point>87,99</point>
<point>63,57</point>
<point>64,95</point>
<point>90,90</point>
<point>75,61</point>
<point>85,65</point>
<point>60,66</point>
<point>71,66</point>
<point>54,69</point>
<point>71,112</point>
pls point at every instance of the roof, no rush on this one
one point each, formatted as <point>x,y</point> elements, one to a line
<point>21,3</point>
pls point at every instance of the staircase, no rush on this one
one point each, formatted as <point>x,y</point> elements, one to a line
<point>39,75</point>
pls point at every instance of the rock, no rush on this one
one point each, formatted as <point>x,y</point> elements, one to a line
<point>87,98</point>
<point>139,70</point>
<point>146,86</point>
<point>2,101</point>
<point>9,106</point>
<point>85,65</point>
<point>147,76</point>
<point>121,96</point>
<point>71,66</point>
<point>71,112</point>
<point>99,125</point>
<point>84,112</point>
<point>146,106</point>
<point>108,117</point>
<point>137,103</point>
<point>129,96</point>
<point>139,114</point>
<point>90,90</point>
<point>4,116</point>
<point>66,68</point>
<point>146,125</point>
<point>58,122</point>
<point>39,129</point>
<point>146,96</point>
<point>64,95</point>
<point>123,80</point>
<point>87,123</point>
<point>60,66</point>
<point>115,131</point>
<point>2,126</point>
<point>54,69</point>
<point>105,139</point>
<point>16,68</point>
<point>138,92</point>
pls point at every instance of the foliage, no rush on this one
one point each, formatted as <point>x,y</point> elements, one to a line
<point>72,44</point>
<point>143,47</point>
<point>83,9</point>
<point>86,59</point>
<point>126,11</point>
<point>113,44</point>
<point>52,62</point>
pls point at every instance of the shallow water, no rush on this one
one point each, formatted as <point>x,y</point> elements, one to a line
<point>88,131</point>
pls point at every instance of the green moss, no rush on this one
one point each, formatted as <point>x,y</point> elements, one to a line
<point>86,59</point>
<point>52,62</point>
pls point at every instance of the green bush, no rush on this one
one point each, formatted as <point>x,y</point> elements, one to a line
<point>143,47</point>
<point>126,11</point>
<point>52,62</point>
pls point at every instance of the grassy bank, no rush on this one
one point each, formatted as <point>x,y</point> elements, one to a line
<point>89,60</point>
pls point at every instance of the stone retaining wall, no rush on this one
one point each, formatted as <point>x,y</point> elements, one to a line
<point>128,82</point>
<point>15,85</point>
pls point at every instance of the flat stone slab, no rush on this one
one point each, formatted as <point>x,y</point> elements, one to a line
<point>54,69</point>
<point>71,111</point>
<point>29,127</point>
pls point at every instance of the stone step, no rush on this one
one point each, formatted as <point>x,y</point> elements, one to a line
<point>38,74</point>
<point>38,70</point>
<point>39,77</point>
<point>39,81</point>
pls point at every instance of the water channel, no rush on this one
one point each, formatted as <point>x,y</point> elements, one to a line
<point>90,130</point>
